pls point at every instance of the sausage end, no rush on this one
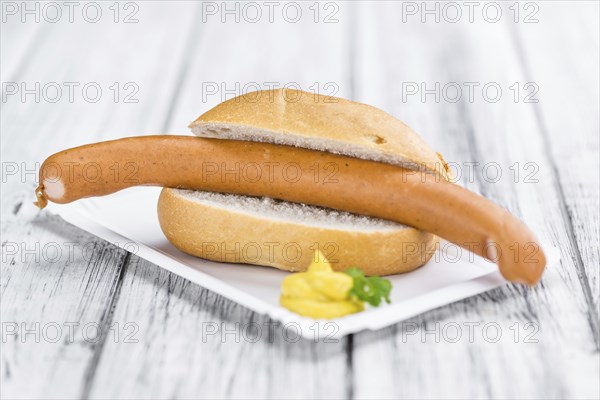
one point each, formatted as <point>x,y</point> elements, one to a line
<point>42,201</point>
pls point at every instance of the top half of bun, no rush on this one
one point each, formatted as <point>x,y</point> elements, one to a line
<point>316,122</point>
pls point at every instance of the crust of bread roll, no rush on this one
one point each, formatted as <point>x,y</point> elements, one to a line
<point>301,119</point>
<point>261,231</point>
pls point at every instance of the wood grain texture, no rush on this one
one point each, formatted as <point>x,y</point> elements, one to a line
<point>56,305</point>
<point>167,338</point>
<point>77,289</point>
<point>570,128</point>
<point>502,132</point>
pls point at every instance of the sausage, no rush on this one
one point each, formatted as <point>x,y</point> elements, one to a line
<point>420,199</point>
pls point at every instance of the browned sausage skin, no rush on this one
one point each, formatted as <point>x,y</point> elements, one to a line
<point>419,199</point>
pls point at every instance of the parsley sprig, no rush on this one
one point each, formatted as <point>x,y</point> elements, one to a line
<point>369,289</point>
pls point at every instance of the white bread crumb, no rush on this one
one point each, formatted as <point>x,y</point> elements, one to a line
<point>299,213</point>
<point>252,134</point>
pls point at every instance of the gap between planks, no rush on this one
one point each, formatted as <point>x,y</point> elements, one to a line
<point>192,41</point>
<point>593,319</point>
<point>105,324</point>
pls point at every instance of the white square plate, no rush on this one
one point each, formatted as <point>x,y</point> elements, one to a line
<point>129,220</point>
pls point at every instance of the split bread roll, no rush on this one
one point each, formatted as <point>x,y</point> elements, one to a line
<point>263,231</point>
<point>227,228</point>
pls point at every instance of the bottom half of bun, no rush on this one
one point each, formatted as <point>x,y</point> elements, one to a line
<point>263,231</point>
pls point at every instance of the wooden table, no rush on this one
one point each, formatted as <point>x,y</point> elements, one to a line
<point>515,94</point>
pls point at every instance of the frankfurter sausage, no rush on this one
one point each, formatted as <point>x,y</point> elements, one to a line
<point>419,199</point>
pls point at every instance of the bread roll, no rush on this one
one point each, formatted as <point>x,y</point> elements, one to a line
<point>233,228</point>
<point>263,231</point>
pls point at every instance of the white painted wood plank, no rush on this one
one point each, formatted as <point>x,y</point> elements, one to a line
<point>568,73</point>
<point>74,290</point>
<point>502,132</point>
<point>17,40</point>
<point>57,284</point>
<point>146,54</point>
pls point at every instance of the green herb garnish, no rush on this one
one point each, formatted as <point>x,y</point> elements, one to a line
<point>369,289</point>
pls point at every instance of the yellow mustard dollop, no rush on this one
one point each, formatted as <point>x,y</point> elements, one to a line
<point>319,292</point>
